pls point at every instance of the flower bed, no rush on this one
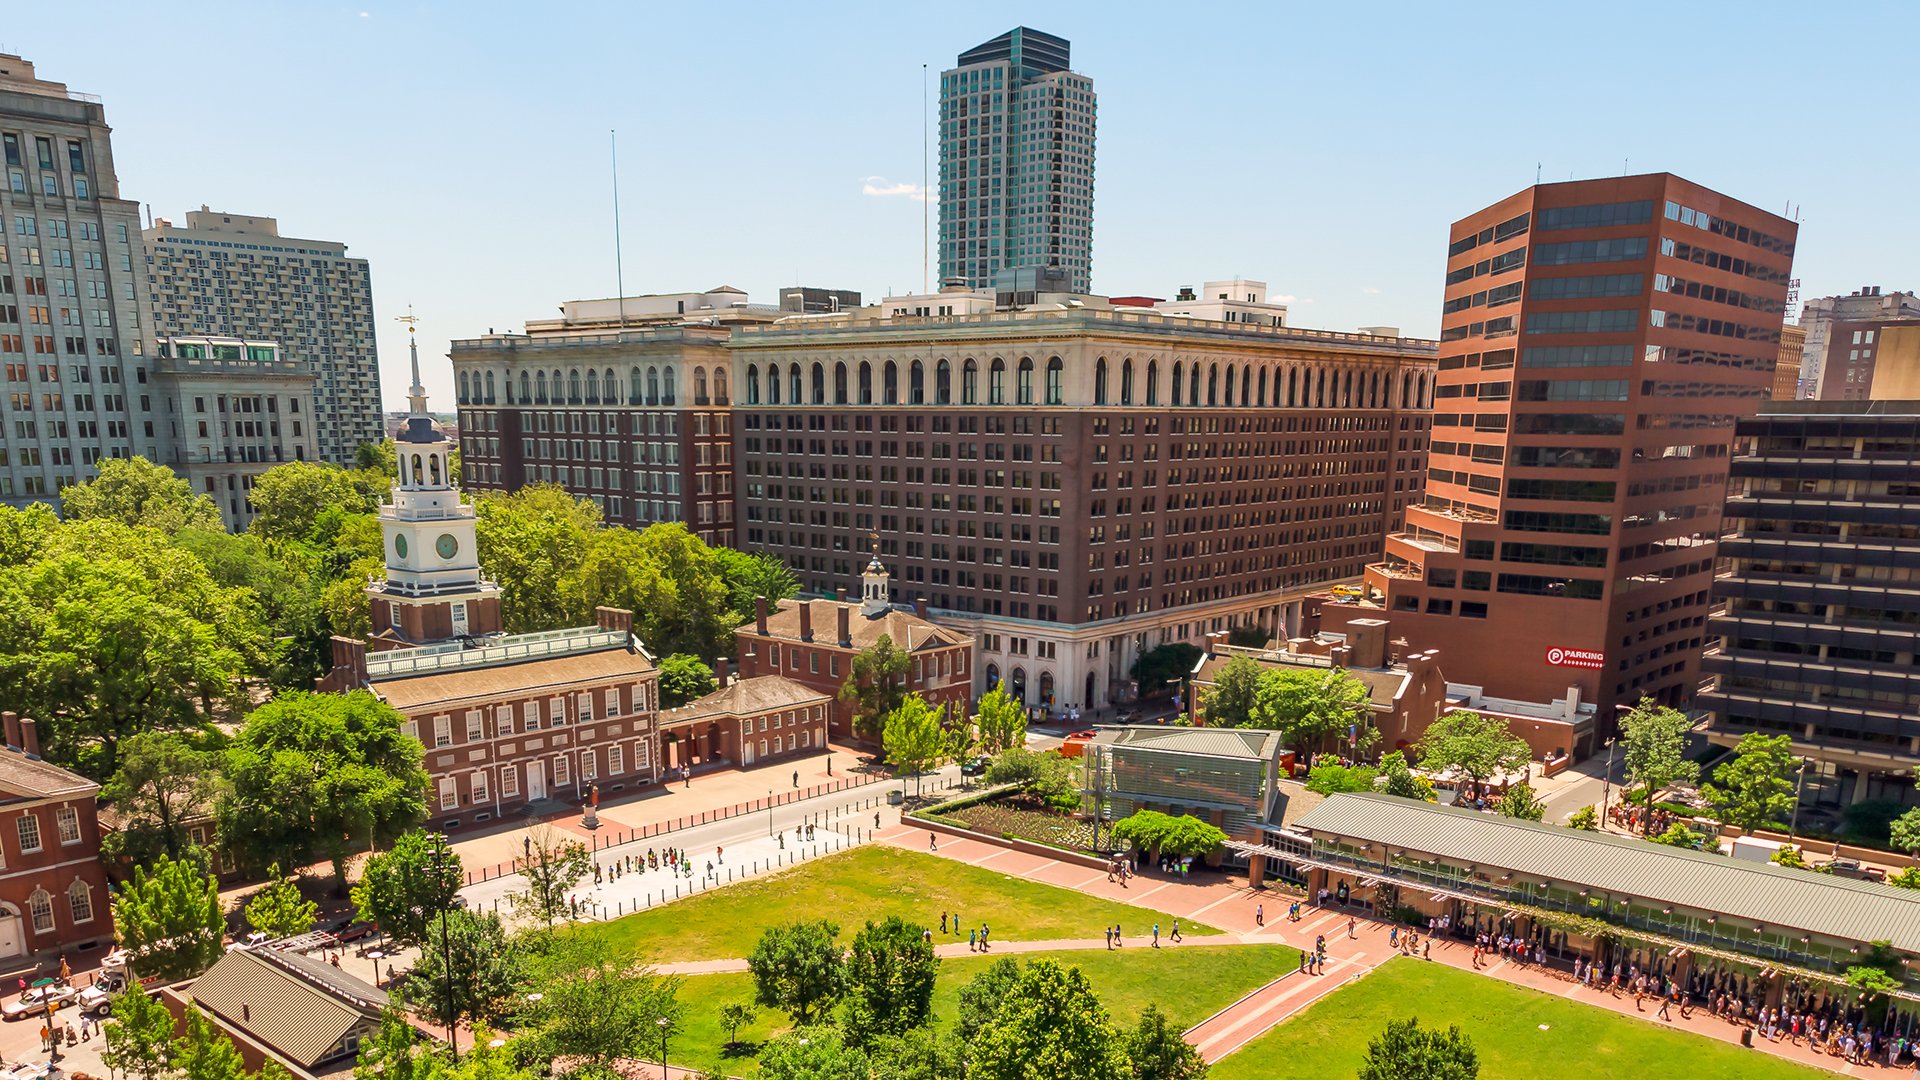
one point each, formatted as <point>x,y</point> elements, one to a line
<point>1023,818</point>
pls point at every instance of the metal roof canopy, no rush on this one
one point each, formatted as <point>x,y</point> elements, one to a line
<point>1766,895</point>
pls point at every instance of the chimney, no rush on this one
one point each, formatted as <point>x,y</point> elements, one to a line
<point>846,625</point>
<point>246,1013</point>
<point>720,672</point>
<point>839,594</point>
<point>806,620</point>
<point>760,615</point>
<point>30,737</point>
<point>12,725</point>
<point>613,618</point>
<point>920,606</point>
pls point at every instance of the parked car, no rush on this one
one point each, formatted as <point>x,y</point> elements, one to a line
<point>1851,868</point>
<point>36,999</point>
<point>974,766</point>
<point>353,930</point>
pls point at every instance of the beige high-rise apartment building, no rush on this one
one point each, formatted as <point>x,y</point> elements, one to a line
<point>234,275</point>
<point>234,410</point>
<point>75,380</point>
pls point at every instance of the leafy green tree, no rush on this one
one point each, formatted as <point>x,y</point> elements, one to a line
<point>684,678</point>
<point>203,1051</point>
<point>597,1003</point>
<point>1168,834</point>
<point>1790,856</point>
<point>1157,1050</point>
<point>1162,667</point>
<point>912,737</point>
<point>162,783</point>
<point>535,542</point>
<point>279,911</point>
<point>813,1053</point>
<point>1405,1052</point>
<point>1905,879</point>
<point>1002,722</point>
<point>667,577</point>
<point>876,685</point>
<point>1905,832</point>
<point>1230,700</point>
<point>1586,819</point>
<point>135,491</point>
<point>1049,1024</point>
<point>1654,742</point>
<point>290,501</point>
<point>326,774</point>
<point>797,968</point>
<point>169,918</point>
<point>1755,789</point>
<point>735,1015</point>
<point>554,866</point>
<point>1877,976</point>
<point>889,980</point>
<point>1048,775</point>
<point>1677,835</point>
<point>1309,705</point>
<point>922,1053</point>
<point>1476,748</point>
<point>403,888</point>
<point>1400,781</point>
<point>1329,777</point>
<point>1519,801</point>
<point>140,1040</point>
<point>980,997</point>
<point>26,533</point>
<point>287,580</point>
<point>751,575</point>
<point>486,966</point>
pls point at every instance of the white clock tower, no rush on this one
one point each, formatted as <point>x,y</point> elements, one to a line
<point>434,589</point>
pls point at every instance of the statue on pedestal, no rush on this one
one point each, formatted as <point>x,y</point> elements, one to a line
<point>591,819</point>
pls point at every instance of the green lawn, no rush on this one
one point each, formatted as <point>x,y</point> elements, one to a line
<point>1517,1032</point>
<point>873,882</point>
<point>1188,983</point>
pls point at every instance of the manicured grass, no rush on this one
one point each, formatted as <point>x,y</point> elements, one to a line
<point>1505,1023</point>
<point>1189,984</point>
<point>874,882</point>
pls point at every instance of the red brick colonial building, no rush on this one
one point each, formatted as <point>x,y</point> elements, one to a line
<point>53,890</point>
<point>757,721</point>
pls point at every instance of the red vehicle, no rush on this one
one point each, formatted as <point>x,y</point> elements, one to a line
<point>1076,743</point>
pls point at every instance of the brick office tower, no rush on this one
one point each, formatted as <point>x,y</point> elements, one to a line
<point>1598,342</point>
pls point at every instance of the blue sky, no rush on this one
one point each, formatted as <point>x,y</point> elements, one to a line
<point>462,148</point>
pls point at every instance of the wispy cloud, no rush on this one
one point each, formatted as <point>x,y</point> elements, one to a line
<point>881,187</point>
<point>1370,290</point>
<point>1288,299</point>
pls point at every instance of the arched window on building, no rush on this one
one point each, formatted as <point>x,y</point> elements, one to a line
<point>720,386</point>
<point>793,385</point>
<point>773,384</point>
<point>80,900</point>
<point>1056,381</point>
<point>636,387</point>
<point>1126,381</point>
<point>573,386</point>
<point>540,387</point>
<point>943,383</point>
<point>1025,385</point>
<point>653,386</point>
<point>1100,381</point>
<point>700,386</point>
<point>916,384</point>
<point>1193,385</point>
<point>997,383</point>
<point>464,398</point>
<point>840,382</point>
<point>866,383</point>
<point>753,385</point>
<point>969,382</point>
<point>40,911</point>
<point>489,387</point>
<point>1153,382</point>
<point>1246,385</point>
<point>526,388</point>
<point>819,383</point>
<point>593,387</point>
<point>890,383</point>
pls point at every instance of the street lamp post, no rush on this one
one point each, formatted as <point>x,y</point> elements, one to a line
<point>1606,786</point>
<point>1799,787</point>
<point>665,1024</point>
<point>769,811</point>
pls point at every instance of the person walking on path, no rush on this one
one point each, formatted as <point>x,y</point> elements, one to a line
<point>984,930</point>
<point>796,778</point>
<point>1156,935</point>
<point>1352,927</point>
<point>1176,930</point>
<point>933,842</point>
<point>1117,943</point>
<point>970,941</point>
<point>1259,914</point>
<point>943,922</point>
<point>1109,933</point>
<point>956,924</point>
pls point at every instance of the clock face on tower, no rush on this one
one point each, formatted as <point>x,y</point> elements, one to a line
<point>447,546</point>
<point>400,546</point>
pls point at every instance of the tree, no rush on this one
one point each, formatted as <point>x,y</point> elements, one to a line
<point>1586,819</point>
<point>1519,801</point>
<point>1045,773</point>
<point>1677,835</point>
<point>1400,781</point>
<point>922,1053</point>
<point>1328,776</point>
<point>735,1015</point>
<point>534,542</point>
<point>912,736</point>
<point>1405,1052</point>
<point>169,918</point>
<point>1229,702</point>
<point>1790,856</point>
<point>1158,1051</point>
<point>135,491</point>
<point>553,867</point>
<point>797,969</point>
<point>1168,834</point>
<point>684,678</point>
<point>749,576</point>
<point>1477,748</point>
<point>403,888</point>
<point>1164,665</point>
<point>980,997</point>
<point>140,1040</point>
<point>1655,750</point>
<point>162,783</point>
<point>279,911</point>
<point>395,1051</point>
<point>1306,706</point>
<point>327,774</point>
<point>1049,1024</point>
<point>1755,789</point>
<point>667,577</point>
<point>813,1053</point>
<point>1002,722</point>
<point>1876,976</point>
<point>1905,879</point>
<point>486,969</point>
<point>876,685</point>
<point>597,1003</point>
<point>203,1051</point>
<point>1905,832</point>
<point>889,980</point>
<point>290,501</point>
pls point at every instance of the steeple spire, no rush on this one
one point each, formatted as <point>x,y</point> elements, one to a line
<point>417,393</point>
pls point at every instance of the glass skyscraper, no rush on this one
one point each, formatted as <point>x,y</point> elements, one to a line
<point>1016,161</point>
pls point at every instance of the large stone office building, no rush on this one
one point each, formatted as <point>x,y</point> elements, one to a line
<point>235,409</point>
<point>1073,484</point>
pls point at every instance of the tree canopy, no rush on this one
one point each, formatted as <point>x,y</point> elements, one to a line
<point>683,678</point>
<point>1405,1051</point>
<point>1519,801</point>
<point>278,910</point>
<point>1001,720</point>
<point>751,575</point>
<point>1755,789</point>
<point>1163,666</point>
<point>1655,750</point>
<point>797,968</point>
<point>1049,1023</point>
<point>403,888</point>
<point>889,980</point>
<point>1169,834</point>
<point>1474,747</point>
<point>1310,704</point>
<point>1229,702</point>
<point>912,737</point>
<point>535,542</point>
<point>169,917</point>
<point>163,782</point>
<point>135,491</point>
<point>876,685</point>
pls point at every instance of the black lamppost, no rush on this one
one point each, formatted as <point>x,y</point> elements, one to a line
<point>665,1026</point>
<point>441,865</point>
<point>1606,786</point>
<point>769,811</point>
